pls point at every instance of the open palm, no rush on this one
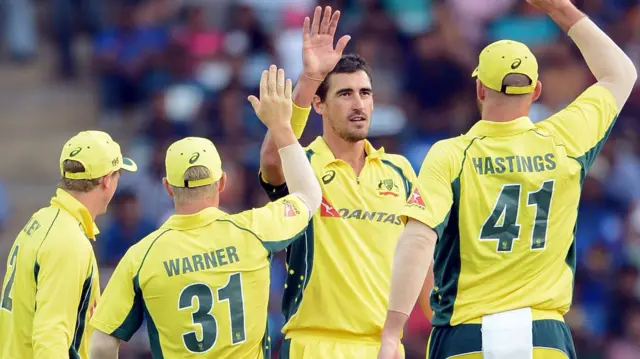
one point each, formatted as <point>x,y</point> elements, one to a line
<point>319,56</point>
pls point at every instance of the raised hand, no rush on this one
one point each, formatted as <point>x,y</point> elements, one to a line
<point>319,56</point>
<point>550,6</point>
<point>274,106</point>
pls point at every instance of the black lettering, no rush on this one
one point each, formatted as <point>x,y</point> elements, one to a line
<point>510,159</point>
<point>380,215</point>
<point>173,267</point>
<point>369,215</point>
<point>488,166</point>
<point>210,260</point>
<point>519,163</point>
<point>390,218</point>
<point>198,262</point>
<point>33,226</point>
<point>477,163</point>
<point>551,164</point>
<point>356,214</point>
<point>186,265</point>
<point>526,164</point>
<point>232,254</point>
<point>500,167</point>
<point>221,258</point>
<point>538,163</point>
<point>398,220</point>
<point>343,212</point>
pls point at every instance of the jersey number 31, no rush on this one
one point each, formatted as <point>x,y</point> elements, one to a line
<point>202,314</point>
<point>502,224</point>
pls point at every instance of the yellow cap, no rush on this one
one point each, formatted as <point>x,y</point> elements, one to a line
<point>505,57</point>
<point>190,152</point>
<point>97,152</point>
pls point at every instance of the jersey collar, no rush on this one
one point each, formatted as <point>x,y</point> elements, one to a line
<point>499,129</point>
<point>67,202</point>
<point>322,151</point>
<point>182,222</point>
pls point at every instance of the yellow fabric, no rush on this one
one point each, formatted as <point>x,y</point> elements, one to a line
<point>202,282</point>
<point>190,152</point>
<point>503,199</point>
<point>538,353</point>
<point>97,152</point>
<point>349,257</point>
<point>299,119</point>
<point>51,285</point>
<point>505,57</point>
<point>312,347</point>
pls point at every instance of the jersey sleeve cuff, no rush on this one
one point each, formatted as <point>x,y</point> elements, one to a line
<point>273,192</point>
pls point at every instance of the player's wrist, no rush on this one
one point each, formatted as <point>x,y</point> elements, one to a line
<point>282,134</point>
<point>566,15</point>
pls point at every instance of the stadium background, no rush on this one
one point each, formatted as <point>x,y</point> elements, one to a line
<point>185,68</point>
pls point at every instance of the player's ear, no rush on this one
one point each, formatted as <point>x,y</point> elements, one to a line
<point>167,187</point>
<point>318,105</point>
<point>222,182</point>
<point>537,92</point>
<point>481,92</point>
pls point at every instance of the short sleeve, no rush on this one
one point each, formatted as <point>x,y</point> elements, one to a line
<point>431,198</point>
<point>278,223</point>
<point>585,124</point>
<point>119,312</point>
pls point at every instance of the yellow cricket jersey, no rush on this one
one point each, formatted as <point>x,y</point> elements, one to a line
<point>51,285</point>
<point>503,199</point>
<point>339,274</point>
<point>201,282</point>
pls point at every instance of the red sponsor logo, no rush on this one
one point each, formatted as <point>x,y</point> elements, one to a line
<point>327,210</point>
<point>388,194</point>
<point>416,198</point>
<point>92,309</point>
<point>289,210</point>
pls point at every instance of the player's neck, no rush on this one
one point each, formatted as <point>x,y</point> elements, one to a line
<point>88,201</point>
<point>503,113</point>
<point>195,207</point>
<point>350,152</point>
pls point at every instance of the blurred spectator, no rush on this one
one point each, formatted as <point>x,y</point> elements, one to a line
<point>4,207</point>
<point>628,346</point>
<point>19,29</point>
<point>127,226</point>
<point>123,56</point>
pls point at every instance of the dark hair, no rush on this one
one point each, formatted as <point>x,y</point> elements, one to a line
<point>348,64</point>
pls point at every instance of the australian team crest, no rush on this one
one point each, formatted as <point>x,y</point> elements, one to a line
<point>386,187</point>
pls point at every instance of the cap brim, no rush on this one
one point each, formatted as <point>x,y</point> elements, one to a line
<point>128,165</point>
<point>475,72</point>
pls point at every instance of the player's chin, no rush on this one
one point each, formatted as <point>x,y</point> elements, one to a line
<point>356,134</point>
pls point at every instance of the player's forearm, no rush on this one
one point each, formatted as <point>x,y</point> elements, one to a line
<point>609,64</point>
<point>413,255</point>
<point>424,299</point>
<point>104,346</point>
<point>270,164</point>
<point>300,178</point>
<point>305,89</point>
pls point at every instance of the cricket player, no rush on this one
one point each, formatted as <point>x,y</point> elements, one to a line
<point>51,285</point>
<point>337,288</point>
<point>201,281</point>
<point>502,201</point>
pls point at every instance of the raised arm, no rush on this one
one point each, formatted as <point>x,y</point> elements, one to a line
<point>612,68</point>
<point>319,58</point>
<point>274,110</point>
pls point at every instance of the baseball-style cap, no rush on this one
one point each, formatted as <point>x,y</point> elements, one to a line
<point>190,152</point>
<point>505,57</point>
<point>97,152</point>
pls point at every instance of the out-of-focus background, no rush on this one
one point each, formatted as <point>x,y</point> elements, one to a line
<point>151,71</point>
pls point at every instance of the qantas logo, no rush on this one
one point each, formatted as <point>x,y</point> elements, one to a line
<point>416,198</point>
<point>290,209</point>
<point>327,210</point>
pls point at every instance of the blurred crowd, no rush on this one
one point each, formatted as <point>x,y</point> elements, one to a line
<point>179,68</point>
